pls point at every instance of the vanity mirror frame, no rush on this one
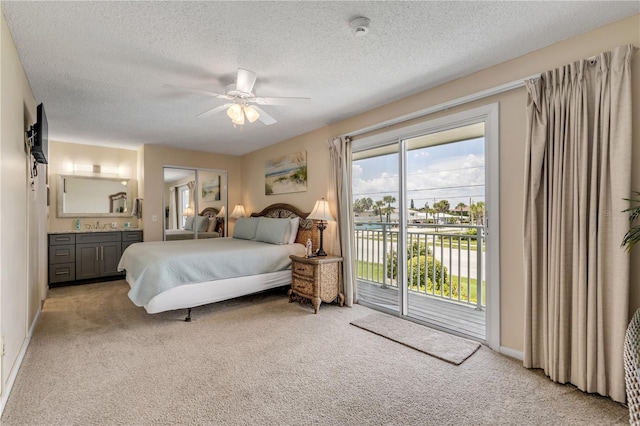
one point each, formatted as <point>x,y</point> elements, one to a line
<point>131,193</point>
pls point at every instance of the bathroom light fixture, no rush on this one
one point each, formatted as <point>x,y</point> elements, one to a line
<point>322,214</point>
<point>96,168</point>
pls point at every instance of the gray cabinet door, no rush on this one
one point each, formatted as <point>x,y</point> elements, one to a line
<point>87,261</point>
<point>109,258</point>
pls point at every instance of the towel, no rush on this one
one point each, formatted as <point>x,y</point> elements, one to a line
<point>137,208</point>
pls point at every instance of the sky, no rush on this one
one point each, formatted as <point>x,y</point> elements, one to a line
<point>453,171</point>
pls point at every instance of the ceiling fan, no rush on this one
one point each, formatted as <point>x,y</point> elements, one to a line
<point>242,100</point>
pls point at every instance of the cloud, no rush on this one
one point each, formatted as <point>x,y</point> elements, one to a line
<point>454,178</point>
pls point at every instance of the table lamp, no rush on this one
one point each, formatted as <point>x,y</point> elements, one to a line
<point>322,214</point>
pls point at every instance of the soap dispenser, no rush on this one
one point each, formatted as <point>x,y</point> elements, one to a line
<point>77,224</point>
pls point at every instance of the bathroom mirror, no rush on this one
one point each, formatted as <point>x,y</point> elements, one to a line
<point>89,196</point>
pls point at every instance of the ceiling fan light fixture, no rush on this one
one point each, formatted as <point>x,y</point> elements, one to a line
<point>239,120</point>
<point>252,114</point>
<point>235,112</point>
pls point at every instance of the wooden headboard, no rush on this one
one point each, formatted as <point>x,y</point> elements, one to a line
<point>209,211</point>
<point>282,210</point>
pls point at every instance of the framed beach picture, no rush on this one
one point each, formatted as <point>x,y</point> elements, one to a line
<point>211,189</point>
<point>286,174</point>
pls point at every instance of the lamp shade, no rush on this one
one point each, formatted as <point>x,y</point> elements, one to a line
<point>221,213</point>
<point>238,211</point>
<point>235,112</point>
<point>321,211</point>
<point>252,114</point>
<point>188,211</point>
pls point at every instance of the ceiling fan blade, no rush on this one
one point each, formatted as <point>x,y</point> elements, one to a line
<point>282,101</point>
<point>212,111</point>
<point>200,91</point>
<point>245,80</point>
<point>264,117</point>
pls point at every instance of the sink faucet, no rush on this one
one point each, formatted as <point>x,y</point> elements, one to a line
<point>98,225</point>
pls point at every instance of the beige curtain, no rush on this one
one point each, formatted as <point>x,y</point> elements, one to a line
<point>173,203</point>
<point>340,196</point>
<point>577,174</point>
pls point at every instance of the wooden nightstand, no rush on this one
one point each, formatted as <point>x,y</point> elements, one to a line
<point>317,279</point>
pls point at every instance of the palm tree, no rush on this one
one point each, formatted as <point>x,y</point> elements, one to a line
<point>389,199</point>
<point>377,208</point>
<point>477,211</point>
<point>442,206</point>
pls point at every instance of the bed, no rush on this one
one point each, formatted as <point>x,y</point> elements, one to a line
<point>213,227</point>
<point>170,275</point>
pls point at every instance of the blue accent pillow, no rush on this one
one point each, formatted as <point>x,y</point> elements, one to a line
<point>203,223</point>
<point>273,231</point>
<point>245,228</point>
<point>188,224</point>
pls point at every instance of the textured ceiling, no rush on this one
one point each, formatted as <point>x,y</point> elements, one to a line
<point>100,67</point>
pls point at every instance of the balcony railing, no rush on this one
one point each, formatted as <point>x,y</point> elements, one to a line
<point>443,261</point>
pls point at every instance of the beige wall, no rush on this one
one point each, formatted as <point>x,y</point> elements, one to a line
<point>512,133</point>
<point>154,158</point>
<point>62,157</point>
<point>23,258</point>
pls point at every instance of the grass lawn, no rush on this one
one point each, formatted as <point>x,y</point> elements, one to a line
<point>374,272</point>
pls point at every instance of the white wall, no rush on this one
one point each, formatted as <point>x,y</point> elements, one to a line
<point>22,214</point>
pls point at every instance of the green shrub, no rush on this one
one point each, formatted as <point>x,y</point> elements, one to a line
<point>417,275</point>
<point>414,250</point>
<point>420,257</point>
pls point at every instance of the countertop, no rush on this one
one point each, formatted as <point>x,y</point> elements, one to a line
<point>83,231</point>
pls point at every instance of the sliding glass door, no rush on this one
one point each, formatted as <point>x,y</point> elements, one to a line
<point>375,200</point>
<point>420,198</point>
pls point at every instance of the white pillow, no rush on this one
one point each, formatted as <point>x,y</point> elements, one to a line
<point>272,230</point>
<point>245,228</point>
<point>292,232</point>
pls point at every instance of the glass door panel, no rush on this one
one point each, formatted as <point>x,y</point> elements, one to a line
<point>179,204</point>
<point>211,186</point>
<point>445,180</point>
<point>375,183</point>
<point>195,203</point>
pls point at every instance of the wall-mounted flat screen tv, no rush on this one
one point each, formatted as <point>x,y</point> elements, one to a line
<point>40,147</point>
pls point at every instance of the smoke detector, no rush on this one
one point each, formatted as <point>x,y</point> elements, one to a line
<point>360,26</point>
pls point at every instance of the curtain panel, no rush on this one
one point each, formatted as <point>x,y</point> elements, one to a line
<point>578,172</point>
<point>340,196</point>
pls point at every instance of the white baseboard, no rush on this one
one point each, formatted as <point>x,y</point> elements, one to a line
<point>16,367</point>
<point>512,353</point>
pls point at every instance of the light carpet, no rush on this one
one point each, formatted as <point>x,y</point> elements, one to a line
<point>441,345</point>
<point>96,359</point>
